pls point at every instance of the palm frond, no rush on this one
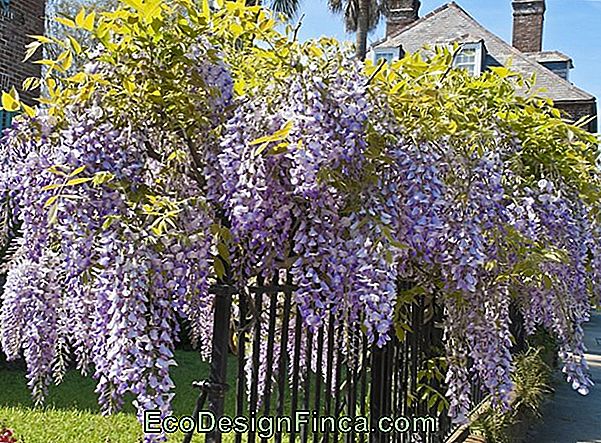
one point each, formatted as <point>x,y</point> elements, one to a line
<point>337,6</point>
<point>287,7</point>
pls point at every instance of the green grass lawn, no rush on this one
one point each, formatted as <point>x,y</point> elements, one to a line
<point>72,415</point>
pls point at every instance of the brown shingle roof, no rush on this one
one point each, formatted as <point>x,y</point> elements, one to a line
<point>451,23</point>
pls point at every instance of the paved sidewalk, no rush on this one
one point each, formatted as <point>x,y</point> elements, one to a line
<point>571,417</point>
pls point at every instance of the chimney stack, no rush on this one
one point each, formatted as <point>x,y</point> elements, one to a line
<point>400,14</point>
<point>528,18</point>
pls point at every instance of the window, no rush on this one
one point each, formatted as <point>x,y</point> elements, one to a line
<point>563,73</point>
<point>387,54</point>
<point>5,119</point>
<point>4,82</point>
<point>560,68</point>
<point>469,57</point>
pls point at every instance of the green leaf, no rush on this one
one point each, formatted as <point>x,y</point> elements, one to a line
<point>277,136</point>
<point>440,408</point>
<point>52,186</point>
<point>31,83</point>
<point>80,17</point>
<point>78,181</point>
<point>41,38</point>
<point>65,21</point>
<point>214,228</point>
<point>206,8</point>
<point>240,86</point>
<point>224,252</point>
<point>158,227</point>
<point>75,44</point>
<point>226,234</point>
<point>547,282</point>
<point>236,29</point>
<point>260,149</point>
<point>52,213</point>
<point>51,200</point>
<point>280,148</point>
<point>391,240</point>
<point>431,402</point>
<point>88,23</point>
<point>10,101</point>
<point>56,169</point>
<point>501,71</point>
<point>29,110</point>
<point>102,177</point>
<point>108,222</point>
<point>219,268</point>
<point>77,171</point>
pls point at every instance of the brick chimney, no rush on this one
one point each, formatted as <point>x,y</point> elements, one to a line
<point>528,18</point>
<point>400,14</point>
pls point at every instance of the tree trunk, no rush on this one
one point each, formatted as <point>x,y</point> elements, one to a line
<point>362,28</point>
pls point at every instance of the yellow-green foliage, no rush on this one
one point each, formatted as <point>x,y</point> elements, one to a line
<point>146,42</point>
<point>436,102</point>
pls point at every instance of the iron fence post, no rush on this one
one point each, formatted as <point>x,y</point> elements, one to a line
<point>215,387</point>
<point>219,353</point>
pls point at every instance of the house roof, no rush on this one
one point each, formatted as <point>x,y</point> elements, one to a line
<point>550,57</point>
<point>451,23</point>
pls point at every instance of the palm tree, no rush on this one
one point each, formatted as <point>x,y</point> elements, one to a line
<point>360,16</point>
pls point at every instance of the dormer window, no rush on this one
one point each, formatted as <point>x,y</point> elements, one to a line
<point>560,68</point>
<point>387,54</point>
<point>470,58</point>
<point>560,64</point>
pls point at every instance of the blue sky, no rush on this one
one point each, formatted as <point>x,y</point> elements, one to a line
<point>571,26</point>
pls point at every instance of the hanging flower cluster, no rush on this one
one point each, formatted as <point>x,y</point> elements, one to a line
<point>89,275</point>
<point>134,198</point>
<point>282,207</point>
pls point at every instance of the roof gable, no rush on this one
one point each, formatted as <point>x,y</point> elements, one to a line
<point>451,23</point>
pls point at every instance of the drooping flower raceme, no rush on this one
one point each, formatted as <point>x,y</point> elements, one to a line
<point>93,274</point>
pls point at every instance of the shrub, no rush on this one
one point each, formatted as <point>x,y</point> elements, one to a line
<point>532,380</point>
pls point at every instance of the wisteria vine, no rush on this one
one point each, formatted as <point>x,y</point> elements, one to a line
<point>130,210</point>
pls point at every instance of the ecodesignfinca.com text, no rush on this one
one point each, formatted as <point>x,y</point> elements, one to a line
<point>266,426</point>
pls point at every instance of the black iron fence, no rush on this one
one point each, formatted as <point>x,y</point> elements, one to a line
<point>403,380</point>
